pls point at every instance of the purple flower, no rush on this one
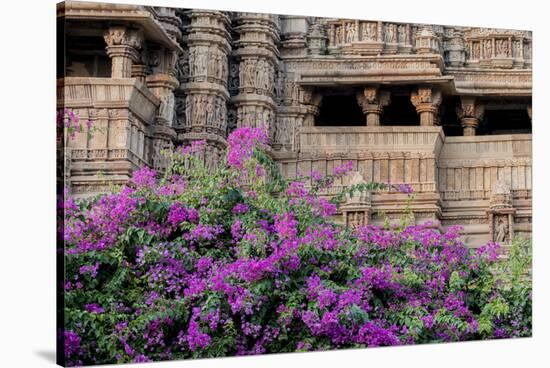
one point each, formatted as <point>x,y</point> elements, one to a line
<point>343,169</point>
<point>91,269</point>
<point>144,177</point>
<point>285,225</point>
<point>240,208</point>
<point>72,343</point>
<point>241,145</point>
<point>141,359</point>
<point>94,308</point>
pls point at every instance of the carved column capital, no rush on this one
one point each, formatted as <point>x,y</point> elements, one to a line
<point>426,100</point>
<point>312,102</point>
<point>122,36</point>
<point>470,113</point>
<point>123,45</point>
<point>372,101</point>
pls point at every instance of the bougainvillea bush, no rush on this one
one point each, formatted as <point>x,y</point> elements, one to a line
<point>236,261</point>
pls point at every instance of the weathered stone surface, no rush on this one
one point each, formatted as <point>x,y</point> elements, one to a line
<point>183,75</point>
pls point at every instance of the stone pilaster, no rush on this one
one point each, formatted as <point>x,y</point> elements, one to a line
<point>426,100</point>
<point>162,83</point>
<point>123,45</point>
<point>372,100</point>
<point>258,57</point>
<point>470,114</point>
<point>204,95</point>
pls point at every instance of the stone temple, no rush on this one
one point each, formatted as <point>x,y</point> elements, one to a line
<point>446,109</point>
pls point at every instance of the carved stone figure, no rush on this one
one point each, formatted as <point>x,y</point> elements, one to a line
<point>390,33</point>
<point>501,229</point>
<point>488,49</point>
<point>402,34</point>
<point>475,50</point>
<point>166,109</point>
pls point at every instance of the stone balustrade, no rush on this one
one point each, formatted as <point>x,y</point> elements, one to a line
<point>469,167</point>
<point>121,112</point>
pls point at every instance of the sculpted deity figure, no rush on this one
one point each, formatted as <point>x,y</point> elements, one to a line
<point>390,33</point>
<point>213,65</point>
<point>250,74</point>
<point>339,35</point>
<point>501,231</point>
<point>516,45</point>
<point>351,33</point>
<point>402,34</point>
<point>331,38</point>
<point>355,219</point>
<point>209,112</point>
<point>475,50</point>
<point>201,109</point>
<point>488,49</point>
<point>224,67</point>
<point>166,109</point>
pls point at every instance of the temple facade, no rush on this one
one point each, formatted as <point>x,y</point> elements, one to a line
<point>446,109</point>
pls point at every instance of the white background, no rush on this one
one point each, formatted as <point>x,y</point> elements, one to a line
<point>27,179</point>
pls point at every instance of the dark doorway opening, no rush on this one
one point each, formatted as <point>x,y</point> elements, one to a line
<point>340,110</point>
<point>448,117</point>
<point>86,57</point>
<point>400,111</point>
<point>502,121</point>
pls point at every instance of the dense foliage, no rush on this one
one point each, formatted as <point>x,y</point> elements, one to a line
<point>239,261</point>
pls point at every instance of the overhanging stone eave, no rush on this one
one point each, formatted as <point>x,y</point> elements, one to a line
<point>132,14</point>
<point>492,82</point>
<point>491,90</point>
<point>373,77</point>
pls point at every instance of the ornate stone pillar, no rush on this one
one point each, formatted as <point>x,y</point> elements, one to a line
<point>258,57</point>
<point>312,103</point>
<point>123,45</point>
<point>426,100</point>
<point>162,82</point>
<point>470,113</point>
<point>203,110</point>
<point>290,113</point>
<point>372,100</point>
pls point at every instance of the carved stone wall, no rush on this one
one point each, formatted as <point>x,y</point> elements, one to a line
<point>180,75</point>
<point>256,50</point>
<point>204,72</point>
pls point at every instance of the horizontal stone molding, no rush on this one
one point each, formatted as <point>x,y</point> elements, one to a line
<point>110,154</point>
<point>487,147</point>
<point>107,93</point>
<point>374,139</point>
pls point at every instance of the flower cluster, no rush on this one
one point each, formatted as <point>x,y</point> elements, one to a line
<point>242,143</point>
<point>191,265</point>
<point>67,119</point>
